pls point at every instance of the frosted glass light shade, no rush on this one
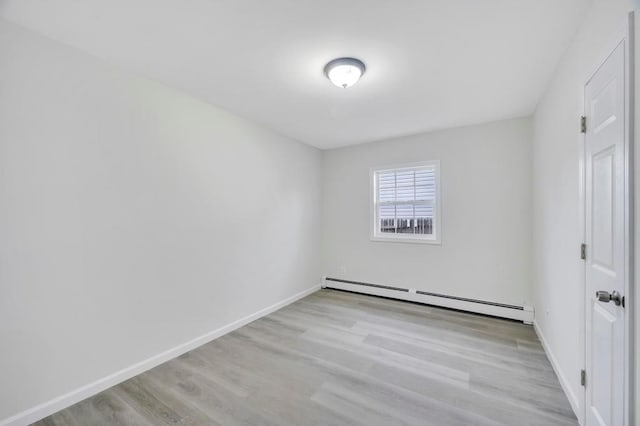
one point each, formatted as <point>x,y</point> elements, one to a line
<point>344,72</point>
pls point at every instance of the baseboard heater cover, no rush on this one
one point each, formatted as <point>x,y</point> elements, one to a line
<point>368,284</point>
<point>502,310</point>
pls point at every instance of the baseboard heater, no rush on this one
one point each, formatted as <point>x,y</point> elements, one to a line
<point>502,310</point>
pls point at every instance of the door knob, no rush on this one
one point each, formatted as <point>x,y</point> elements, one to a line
<point>605,296</point>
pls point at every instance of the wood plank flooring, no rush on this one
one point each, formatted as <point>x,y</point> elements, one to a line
<point>337,358</point>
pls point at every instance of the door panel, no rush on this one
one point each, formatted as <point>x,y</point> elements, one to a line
<point>605,238</point>
<point>601,384</point>
<point>603,209</point>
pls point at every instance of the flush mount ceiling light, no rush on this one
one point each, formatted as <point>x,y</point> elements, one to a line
<point>344,72</point>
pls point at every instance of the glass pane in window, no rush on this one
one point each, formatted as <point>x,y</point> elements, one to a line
<point>405,184</point>
<point>387,216</point>
<point>425,184</point>
<point>386,187</point>
<point>404,217</point>
<point>424,219</point>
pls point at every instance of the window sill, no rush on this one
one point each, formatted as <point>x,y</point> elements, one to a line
<point>405,240</point>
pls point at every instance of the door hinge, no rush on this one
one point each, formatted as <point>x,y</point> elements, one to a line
<point>583,124</point>
<point>583,378</point>
<point>583,251</point>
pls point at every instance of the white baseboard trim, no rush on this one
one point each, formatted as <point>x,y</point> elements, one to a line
<point>524,313</point>
<point>43,410</point>
<point>571,396</point>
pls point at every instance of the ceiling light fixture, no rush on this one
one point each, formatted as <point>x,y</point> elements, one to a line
<point>344,72</point>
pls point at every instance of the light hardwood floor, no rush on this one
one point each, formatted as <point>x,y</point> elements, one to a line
<point>336,358</point>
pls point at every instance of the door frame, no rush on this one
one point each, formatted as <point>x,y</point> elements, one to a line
<point>629,47</point>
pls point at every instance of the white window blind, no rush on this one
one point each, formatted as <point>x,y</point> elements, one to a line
<point>405,202</point>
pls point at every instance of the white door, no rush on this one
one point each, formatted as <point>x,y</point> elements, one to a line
<point>605,192</point>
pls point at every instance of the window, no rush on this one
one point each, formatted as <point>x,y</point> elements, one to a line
<point>406,203</point>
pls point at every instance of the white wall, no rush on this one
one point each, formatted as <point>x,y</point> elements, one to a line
<point>636,288</point>
<point>558,286</point>
<point>486,214</point>
<point>133,218</point>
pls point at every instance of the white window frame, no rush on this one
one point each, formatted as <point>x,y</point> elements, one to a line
<point>376,235</point>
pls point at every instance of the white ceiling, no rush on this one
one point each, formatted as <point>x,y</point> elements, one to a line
<point>430,63</point>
